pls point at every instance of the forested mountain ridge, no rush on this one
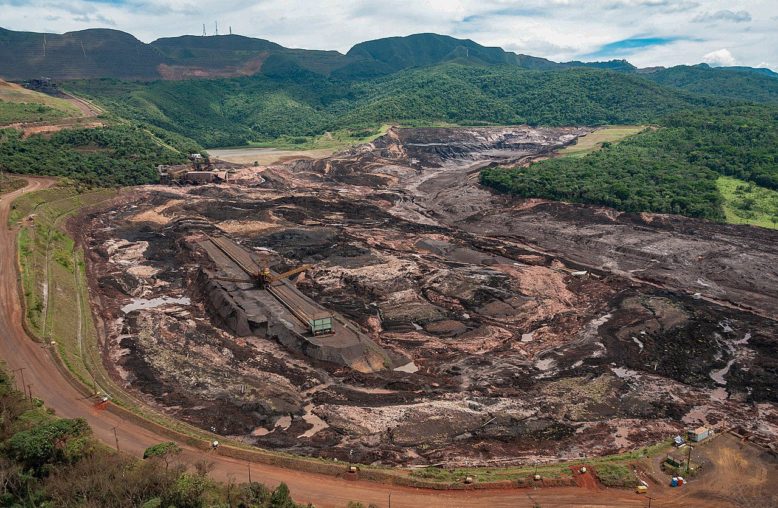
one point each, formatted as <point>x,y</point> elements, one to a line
<point>264,108</point>
<point>104,53</point>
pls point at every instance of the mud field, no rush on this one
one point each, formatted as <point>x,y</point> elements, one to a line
<point>535,330</point>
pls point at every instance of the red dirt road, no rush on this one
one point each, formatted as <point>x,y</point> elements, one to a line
<point>18,350</point>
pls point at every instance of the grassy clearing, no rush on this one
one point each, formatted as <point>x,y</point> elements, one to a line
<point>51,268</point>
<point>17,104</point>
<point>748,203</point>
<point>612,465</point>
<point>594,141</point>
<point>616,475</point>
<point>336,140</point>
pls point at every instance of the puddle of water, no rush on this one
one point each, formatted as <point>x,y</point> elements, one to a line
<point>284,422</point>
<point>410,368</point>
<point>311,419</point>
<point>374,391</point>
<point>142,303</point>
<point>718,375</point>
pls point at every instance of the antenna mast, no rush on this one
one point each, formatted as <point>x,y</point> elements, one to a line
<point>216,24</point>
<point>203,29</point>
<point>230,29</point>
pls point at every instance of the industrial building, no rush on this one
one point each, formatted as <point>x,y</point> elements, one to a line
<point>251,299</point>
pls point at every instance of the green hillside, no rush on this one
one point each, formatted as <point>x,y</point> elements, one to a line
<point>262,108</point>
<point>17,104</point>
<point>74,55</point>
<point>674,169</point>
<point>738,83</point>
<point>422,50</point>
<point>107,156</point>
<point>746,203</point>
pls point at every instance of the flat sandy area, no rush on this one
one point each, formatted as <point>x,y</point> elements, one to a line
<point>266,156</point>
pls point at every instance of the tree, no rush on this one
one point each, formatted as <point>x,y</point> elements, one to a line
<point>164,451</point>
<point>280,498</point>
<point>50,443</point>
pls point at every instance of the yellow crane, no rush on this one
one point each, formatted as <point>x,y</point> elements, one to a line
<point>265,277</point>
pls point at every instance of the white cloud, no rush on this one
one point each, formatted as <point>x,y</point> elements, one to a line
<point>557,29</point>
<point>719,58</point>
<point>725,15</point>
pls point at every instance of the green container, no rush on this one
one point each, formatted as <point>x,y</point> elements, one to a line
<point>321,326</point>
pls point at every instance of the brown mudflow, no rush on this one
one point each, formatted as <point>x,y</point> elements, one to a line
<point>519,356</point>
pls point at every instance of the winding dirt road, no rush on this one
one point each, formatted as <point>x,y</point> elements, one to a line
<point>18,350</point>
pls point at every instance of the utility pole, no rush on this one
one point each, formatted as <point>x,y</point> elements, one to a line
<point>203,29</point>
<point>390,500</point>
<point>249,466</point>
<point>116,438</point>
<point>216,25</point>
<point>688,459</point>
<point>649,501</point>
<point>29,387</point>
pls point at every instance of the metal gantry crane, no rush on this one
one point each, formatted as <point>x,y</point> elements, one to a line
<point>318,321</point>
<point>264,277</point>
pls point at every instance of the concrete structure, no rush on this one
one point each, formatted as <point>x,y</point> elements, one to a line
<point>281,311</point>
<point>699,434</point>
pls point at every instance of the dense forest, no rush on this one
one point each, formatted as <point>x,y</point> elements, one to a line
<point>108,156</point>
<point>670,169</point>
<point>51,462</point>
<point>296,102</point>
<point>738,83</point>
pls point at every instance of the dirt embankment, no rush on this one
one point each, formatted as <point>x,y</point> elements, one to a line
<point>531,332</point>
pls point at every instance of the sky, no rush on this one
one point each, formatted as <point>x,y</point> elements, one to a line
<point>645,32</point>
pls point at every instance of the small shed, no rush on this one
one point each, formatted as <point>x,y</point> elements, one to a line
<point>699,434</point>
<point>676,460</point>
